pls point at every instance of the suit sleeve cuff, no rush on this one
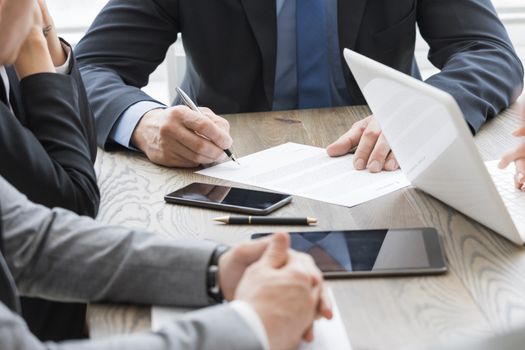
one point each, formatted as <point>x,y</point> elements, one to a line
<point>125,125</point>
<point>66,67</point>
<point>253,320</point>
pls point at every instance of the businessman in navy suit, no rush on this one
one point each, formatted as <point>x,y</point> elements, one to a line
<point>253,55</point>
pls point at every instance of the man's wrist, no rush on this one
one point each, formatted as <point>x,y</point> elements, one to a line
<point>34,57</point>
<point>56,49</point>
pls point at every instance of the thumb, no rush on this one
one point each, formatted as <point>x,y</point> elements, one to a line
<point>507,158</point>
<point>277,253</point>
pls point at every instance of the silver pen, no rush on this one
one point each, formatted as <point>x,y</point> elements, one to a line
<point>191,105</point>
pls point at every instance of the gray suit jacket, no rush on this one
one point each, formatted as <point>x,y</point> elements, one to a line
<point>59,256</point>
<point>231,51</point>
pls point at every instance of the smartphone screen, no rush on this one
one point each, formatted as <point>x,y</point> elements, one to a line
<point>399,251</point>
<point>225,197</point>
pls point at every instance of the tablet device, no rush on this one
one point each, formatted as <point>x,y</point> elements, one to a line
<point>413,251</point>
<point>229,198</point>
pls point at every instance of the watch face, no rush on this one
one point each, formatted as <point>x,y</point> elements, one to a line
<point>214,290</point>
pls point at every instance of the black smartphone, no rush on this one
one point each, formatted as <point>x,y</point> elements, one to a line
<point>360,253</point>
<point>229,198</point>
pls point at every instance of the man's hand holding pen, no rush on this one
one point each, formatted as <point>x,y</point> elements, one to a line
<point>180,137</point>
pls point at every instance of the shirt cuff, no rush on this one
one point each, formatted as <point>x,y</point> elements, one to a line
<point>253,320</point>
<point>66,67</point>
<point>125,125</point>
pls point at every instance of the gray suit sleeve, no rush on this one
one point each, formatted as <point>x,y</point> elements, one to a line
<point>470,45</point>
<point>219,327</point>
<point>57,255</point>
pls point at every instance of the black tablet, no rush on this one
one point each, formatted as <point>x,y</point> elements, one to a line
<point>414,251</point>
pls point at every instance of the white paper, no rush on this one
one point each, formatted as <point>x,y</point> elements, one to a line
<point>309,172</point>
<point>328,334</point>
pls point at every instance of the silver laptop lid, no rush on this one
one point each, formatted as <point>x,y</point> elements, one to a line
<point>432,142</point>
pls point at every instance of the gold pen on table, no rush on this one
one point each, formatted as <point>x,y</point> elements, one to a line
<point>191,105</point>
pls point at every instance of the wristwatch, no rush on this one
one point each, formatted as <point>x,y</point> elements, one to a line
<point>212,280</point>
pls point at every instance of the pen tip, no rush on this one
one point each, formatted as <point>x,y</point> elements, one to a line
<point>233,158</point>
<point>221,219</point>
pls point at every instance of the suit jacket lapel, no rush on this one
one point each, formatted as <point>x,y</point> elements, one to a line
<point>350,16</point>
<point>262,17</point>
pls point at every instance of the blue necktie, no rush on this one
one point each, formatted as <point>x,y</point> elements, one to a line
<point>313,85</point>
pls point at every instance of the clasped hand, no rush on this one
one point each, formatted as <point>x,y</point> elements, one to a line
<point>284,287</point>
<point>42,50</point>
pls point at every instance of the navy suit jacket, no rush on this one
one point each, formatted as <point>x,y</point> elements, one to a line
<point>231,51</point>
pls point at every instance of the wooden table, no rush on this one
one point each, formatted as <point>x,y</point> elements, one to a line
<point>483,294</point>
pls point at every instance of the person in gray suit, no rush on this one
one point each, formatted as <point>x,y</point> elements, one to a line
<point>253,55</point>
<point>276,294</point>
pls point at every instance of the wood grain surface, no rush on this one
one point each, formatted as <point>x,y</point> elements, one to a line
<point>483,294</point>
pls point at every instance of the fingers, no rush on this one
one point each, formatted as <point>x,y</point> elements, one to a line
<point>391,163</point>
<point>347,141</point>
<point>304,267</point>
<point>178,130</point>
<point>221,122</point>
<point>165,138</point>
<point>316,296</point>
<point>325,304</point>
<point>191,147</point>
<point>519,132</point>
<point>204,126</point>
<point>519,178</point>
<point>48,20</point>
<point>506,159</point>
<point>511,156</point>
<point>251,251</point>
<point>309,334</point>
<point>379,154</point>
<point>366,145</point>
<point>277,253</point>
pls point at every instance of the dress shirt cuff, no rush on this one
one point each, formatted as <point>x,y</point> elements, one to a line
<point>253,320</point>
<point>125,125</point>
<point>66,67</point>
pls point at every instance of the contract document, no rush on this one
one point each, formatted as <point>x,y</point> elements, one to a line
<point>328,334</point>
<point>309,172</point>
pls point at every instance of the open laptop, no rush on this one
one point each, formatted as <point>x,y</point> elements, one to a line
<point>435,148</point>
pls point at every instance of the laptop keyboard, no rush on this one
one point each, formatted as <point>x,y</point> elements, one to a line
<point>513,198</point>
